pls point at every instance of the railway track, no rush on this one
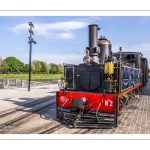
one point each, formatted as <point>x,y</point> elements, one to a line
<point>82,131</point>
<point>53,129</point>
<point>17,116</point>
<point>60,126</point>
<point>19,108</point>
<point>21,119</point>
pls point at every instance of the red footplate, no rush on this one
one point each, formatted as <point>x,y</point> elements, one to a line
<point>94,99</point>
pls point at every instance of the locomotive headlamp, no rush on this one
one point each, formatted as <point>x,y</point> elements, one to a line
<point>87,59</point>
<point>61,85</point>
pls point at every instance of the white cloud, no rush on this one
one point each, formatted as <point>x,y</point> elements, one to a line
<point>66,36</point>
<point>19,28</point>
<point>49,28</point>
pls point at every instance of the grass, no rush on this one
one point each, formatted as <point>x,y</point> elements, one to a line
<point>51,77</point>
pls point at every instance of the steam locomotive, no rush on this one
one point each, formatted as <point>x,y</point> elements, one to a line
<point>93,93</point>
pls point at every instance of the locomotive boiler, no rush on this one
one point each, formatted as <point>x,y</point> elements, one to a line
<point>93,92</point>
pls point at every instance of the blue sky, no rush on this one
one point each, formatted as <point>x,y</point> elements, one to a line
<point>62,39</point>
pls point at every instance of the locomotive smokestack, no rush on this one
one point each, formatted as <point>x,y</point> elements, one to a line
<point>93,36</point>
<point>93,42</point>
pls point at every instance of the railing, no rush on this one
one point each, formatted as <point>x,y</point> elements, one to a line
<point>19,83</point>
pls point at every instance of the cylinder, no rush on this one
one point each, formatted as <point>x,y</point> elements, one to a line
<point>105,48</point>
<point>93,36</point>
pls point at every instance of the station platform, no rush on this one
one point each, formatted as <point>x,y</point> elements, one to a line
<point>12,96</point>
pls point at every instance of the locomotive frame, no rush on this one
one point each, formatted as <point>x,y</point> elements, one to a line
<point>92,93</point>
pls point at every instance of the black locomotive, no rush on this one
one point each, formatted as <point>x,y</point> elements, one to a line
<point>93,92</point>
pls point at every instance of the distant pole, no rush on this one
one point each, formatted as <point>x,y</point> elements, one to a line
<point>30,51</point>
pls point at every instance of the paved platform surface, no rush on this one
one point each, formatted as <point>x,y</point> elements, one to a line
<point>11,97</point>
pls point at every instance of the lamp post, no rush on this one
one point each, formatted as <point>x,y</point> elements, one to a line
<point>30,42</point>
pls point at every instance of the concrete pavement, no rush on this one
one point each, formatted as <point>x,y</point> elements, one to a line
<point>12,96</point>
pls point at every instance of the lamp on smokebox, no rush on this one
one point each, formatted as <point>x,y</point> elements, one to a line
<point>31,40</point>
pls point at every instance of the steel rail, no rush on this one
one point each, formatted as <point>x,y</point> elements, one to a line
<point>19,108</point>
<point>23,118</point>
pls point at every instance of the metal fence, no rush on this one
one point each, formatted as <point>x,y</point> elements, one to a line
<point>19,83</point>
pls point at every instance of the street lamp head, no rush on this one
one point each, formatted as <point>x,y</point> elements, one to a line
<point>30,31</point>
<point>31,39</point>
<point>30,24</point>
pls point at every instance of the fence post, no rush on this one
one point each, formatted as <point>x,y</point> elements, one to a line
<point>7,82</point>
<point>15,82</point>
<point>3,83</point>
<point>22,83</point>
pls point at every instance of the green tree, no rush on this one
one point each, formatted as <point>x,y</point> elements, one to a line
<point>36,66</point>
<point>14,65</point>
<point>54,69</point>
<point>26,68</point>
<point>61,69</point>
<point>50,66</point>
<point>44,67</point>
<point>3,65</point>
